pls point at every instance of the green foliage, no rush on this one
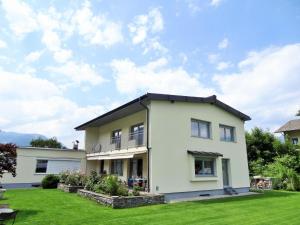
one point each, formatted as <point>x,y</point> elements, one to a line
<point>136,190</point>
<point>50,181</point>
<point>63,176</point>
<point>76,179</point>
<point>110,185</point>
<point>92,180</point>
<point>8,159</point>
<point>263,147</point>
<point>46,143</point>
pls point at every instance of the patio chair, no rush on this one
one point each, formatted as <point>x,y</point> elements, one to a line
<point>8,216</point>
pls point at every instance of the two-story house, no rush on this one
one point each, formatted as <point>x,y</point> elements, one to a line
<point>291,131</point>
<point>177,145</point>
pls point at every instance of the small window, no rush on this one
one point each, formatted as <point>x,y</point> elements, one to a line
<point>227,133</point>
<point>200,129</point>
<point>295,141</point>
<point>117,167</point>
<point>41,166</point>
<point>204,167</point>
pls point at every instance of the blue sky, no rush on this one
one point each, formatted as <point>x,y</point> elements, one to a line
<point>62,62</point>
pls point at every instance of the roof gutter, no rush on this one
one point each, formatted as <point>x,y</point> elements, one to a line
<point>147,143</point>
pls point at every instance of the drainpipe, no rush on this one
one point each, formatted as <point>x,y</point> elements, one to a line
<point>147,143</point>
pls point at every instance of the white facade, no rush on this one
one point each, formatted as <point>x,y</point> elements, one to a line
<point>55,161</point>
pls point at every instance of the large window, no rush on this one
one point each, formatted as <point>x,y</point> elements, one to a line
<point>200,128</point>
<point>137,134</point>
<point>41,166</point>
<point>295,141</point>
<point>117,167</point>
<point>227,133</point>
<point>116,138</point>
<point>204,167</point>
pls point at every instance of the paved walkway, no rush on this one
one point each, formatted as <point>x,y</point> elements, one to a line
<point>200,198</point>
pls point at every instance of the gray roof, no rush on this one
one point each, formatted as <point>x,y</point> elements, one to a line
<point>202,153</point>
<point>135,106</point>
<point>289,126</point>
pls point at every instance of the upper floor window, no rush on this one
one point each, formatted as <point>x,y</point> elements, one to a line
<point>200,128</point>
<point>294,141</point>
<point>227,133</point>
<point>137,133</point>
<point>204,167</point>
<point>41,166</point>
<point>116,138</point>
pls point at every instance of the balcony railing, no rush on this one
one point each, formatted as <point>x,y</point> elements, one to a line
<point>134,140</point>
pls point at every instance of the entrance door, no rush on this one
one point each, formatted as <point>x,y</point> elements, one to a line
<point>225,168</point>
<point>136,168</point>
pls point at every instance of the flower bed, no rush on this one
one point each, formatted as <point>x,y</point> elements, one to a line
<point>118,202</point>
<point>69,188</point>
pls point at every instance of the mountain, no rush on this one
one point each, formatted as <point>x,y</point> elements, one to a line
<point>20,139</point>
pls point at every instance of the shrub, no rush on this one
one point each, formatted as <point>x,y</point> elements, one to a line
<point>136,190</point>
<point>63,176</point>
<point>110,185</point>
<point>50,181</point>
<point>92,180</point>
<point>75,179</point>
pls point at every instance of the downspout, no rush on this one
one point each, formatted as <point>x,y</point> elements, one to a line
<point>147,143</point>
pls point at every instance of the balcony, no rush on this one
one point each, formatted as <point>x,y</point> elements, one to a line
<point>132,141</point>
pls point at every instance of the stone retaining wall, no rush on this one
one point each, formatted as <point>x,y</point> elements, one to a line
<point>118,202</point>
<point>69,188</point>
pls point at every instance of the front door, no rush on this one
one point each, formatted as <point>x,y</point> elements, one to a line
<point>225,168</point>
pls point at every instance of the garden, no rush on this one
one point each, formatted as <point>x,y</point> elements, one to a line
<point>105,189</point>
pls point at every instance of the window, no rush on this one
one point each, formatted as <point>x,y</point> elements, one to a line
<point>116,138</point>
<point>204,167</point>
<point>200,129</point>
<point>117,167</point>
<point>295,141</point>
<point>137,134</point>
<point>41,166</point>
<point>227,133</point>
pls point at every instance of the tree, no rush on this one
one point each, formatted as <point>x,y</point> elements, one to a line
<point>46,143</point>
<point>263,148</point>
<point>8,159</point>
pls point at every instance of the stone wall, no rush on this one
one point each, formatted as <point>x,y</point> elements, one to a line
<point>69,188</point>
<point>118,202</point>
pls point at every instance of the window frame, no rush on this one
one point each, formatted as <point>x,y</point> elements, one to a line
<point>207,123</point>
<point>36,166</point>
<point>131,132</point>
<point>203,160</point>
<point>295,140</point>
<point>224,127</point>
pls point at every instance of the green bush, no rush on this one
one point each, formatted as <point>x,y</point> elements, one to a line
<point>110,185</point>
<point>136,190</point>
<point>92,180</point>
<point>50,181</point>
<point>63,176</point>
<point>76,179</point>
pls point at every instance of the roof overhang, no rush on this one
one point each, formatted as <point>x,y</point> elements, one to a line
<point>119,154</point>
<point>135,106</point>
<point>204,154</point>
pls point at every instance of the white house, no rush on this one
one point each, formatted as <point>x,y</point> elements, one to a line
<point>180,146</point>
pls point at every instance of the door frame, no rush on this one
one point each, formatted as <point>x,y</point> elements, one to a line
<point>228,172</point>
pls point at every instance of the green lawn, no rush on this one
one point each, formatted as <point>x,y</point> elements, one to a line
<point>55,207</point>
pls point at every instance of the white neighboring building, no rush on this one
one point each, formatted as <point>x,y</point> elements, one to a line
<point>33,164</point>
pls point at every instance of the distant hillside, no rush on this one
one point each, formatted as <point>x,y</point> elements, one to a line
<point>20,139</point>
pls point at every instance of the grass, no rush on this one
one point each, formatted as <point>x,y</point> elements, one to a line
<point>38,206</point>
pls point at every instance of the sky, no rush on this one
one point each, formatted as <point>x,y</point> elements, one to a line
<point>63,63</point>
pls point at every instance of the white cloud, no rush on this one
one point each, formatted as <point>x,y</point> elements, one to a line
<point>36,105</point>
<point>144,27</point>
<point>267,85</point>
<point>213,58</point>
<point>20,17</point>
<point>215,3</point>
<point>3,44</point>
<point>223,65</point>
<point>78,73</point>
<point>223,44</point>
<point>62,55</point>
<point>97,29</point>
<point>33,56</point>
<point>155,76</point>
